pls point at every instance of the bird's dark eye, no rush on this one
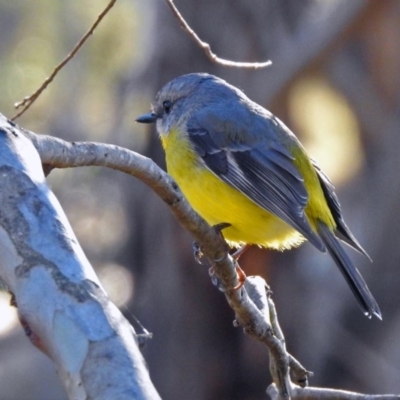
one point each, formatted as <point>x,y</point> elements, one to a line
<point>167,105</point>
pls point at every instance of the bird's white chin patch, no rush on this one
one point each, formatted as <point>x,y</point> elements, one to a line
<point>162,128</point>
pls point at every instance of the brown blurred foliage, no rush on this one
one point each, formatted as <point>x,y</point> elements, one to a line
<point>334,80</point>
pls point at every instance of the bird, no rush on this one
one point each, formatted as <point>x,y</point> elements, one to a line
<point>238,165</point>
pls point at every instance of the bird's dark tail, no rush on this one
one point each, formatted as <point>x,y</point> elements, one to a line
<point>354,279</point>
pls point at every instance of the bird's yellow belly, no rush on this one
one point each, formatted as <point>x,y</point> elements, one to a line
<point>218,202</point>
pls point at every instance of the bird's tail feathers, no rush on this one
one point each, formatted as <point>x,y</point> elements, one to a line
<point>350,272</point>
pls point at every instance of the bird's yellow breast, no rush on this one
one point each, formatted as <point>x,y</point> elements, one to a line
<point>218,202</point>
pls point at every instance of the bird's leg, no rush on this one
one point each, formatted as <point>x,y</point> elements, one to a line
<point>238,253</point>
<point>218,228</point>
<point>198,255</point>
<point>241,276</point>
<point>240,273</point>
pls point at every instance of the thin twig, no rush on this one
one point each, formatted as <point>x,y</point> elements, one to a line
<point>300,374</point>
<point>206,47</point>
<point>29,100</point>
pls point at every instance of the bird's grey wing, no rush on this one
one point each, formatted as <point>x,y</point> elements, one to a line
<point>342,230</point>
<point>262,170</point>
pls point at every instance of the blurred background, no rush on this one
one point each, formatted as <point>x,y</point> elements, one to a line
<point>335,80</point>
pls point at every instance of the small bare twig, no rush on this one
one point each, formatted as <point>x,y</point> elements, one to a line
<point>206,47</point>
<point>29,100</point>
<point>299,374</point>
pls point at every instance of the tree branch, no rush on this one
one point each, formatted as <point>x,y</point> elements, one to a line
<point>207,48</point>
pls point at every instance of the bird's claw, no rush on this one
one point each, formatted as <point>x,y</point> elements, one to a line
<point>198,254</point>
<point>241,277</point>
<point>223,225</point>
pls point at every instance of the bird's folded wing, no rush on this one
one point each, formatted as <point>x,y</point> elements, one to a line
<point>342,231</point>
<point>263,170</point>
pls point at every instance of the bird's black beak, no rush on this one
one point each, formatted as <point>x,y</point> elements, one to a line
<point>148,118</point>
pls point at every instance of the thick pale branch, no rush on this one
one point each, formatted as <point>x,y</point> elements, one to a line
<point>61,304</point>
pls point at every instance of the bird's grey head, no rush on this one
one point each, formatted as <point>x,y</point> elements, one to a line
<point>180,98</point>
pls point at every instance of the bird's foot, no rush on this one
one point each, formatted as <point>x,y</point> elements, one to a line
<point>198,256</point>
<point>219,227</point>
<point>241,277</point>
<point>198,253</point>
